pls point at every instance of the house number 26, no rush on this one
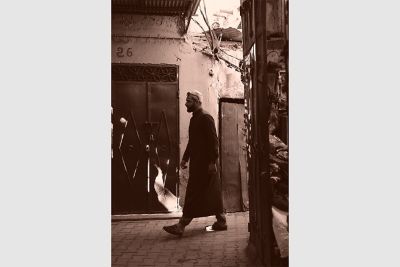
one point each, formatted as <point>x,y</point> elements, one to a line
<point>122,53</point>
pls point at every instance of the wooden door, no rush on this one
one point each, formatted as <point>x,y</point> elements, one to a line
<point>233,157</point>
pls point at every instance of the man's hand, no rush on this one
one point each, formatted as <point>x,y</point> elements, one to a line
<point>212,167</point>
<point>183,164</point>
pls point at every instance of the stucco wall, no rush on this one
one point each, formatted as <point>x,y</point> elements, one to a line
<point>156,40</point>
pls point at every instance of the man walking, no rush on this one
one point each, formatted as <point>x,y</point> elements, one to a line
<point>203,192</point>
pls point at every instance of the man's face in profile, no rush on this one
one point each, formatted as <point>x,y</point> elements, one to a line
<point>191,103</point>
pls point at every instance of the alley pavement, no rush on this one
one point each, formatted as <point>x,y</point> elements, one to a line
<point>145,243</point>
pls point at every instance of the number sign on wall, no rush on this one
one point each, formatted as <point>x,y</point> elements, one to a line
<point>121,52</point>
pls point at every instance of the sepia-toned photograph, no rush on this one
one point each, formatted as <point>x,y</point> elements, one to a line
<point>199,127</point>
<point>157,133</point>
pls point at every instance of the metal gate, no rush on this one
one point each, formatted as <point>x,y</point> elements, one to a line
<point>145,138</point>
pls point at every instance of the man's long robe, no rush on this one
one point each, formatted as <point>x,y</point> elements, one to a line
<point>203,193</point>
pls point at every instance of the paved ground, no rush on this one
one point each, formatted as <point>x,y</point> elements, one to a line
<point>144,243</point>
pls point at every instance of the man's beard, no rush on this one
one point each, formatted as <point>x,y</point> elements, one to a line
<point>189,109</point>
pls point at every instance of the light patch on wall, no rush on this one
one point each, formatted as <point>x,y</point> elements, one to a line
<point>186,48</point>
<point>226,81</point>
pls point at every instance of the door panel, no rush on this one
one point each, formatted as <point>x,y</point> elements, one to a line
<point>230,156</point>
<point>128,164</point>
<point>164,109</point>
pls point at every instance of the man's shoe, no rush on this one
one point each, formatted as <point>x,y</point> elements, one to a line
<point>174,230</point>
<point>217,226</point>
